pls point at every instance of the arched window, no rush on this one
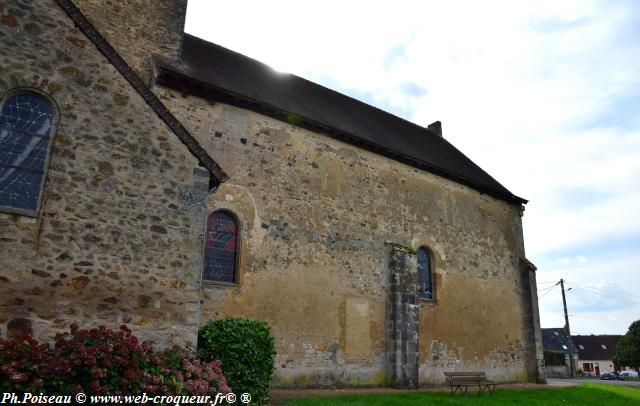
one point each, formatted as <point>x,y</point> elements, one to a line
<point>26,123</point>
<point>425,274</point>
<point>221,248</point>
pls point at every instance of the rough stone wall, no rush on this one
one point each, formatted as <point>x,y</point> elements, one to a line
<point>139,28</point>
<point>531,323</point>
<point>539,375</point>
<point>558,371</point>
<point>316,213</point>
<point>118,238</point>
<point>402,318</point>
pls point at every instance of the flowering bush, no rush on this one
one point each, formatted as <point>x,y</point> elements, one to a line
<point>101,360</point>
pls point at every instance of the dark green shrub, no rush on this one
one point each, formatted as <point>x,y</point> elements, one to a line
<point>628,351</point>
<point>246,351</point>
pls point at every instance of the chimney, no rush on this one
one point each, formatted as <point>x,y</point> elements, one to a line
<point>435,128</point>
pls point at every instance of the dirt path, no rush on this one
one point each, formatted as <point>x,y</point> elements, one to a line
<point>279,396</point>
<point>635,384</point>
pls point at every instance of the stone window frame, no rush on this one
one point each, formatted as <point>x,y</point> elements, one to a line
<point>239,237</point>
<point>432,263</point>
<point>53,131</point>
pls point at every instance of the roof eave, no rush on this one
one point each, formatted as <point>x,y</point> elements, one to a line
<point>166,74</point>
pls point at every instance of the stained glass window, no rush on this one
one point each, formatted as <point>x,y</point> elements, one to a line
<point>220,248</point>
<point>26,120</point>
<point>425,276</point>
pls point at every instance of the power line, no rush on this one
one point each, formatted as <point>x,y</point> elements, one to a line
<point>589,317</point>
<point>599,290</point>
<point>547,292</point>
<point>548,287</point>
<point>543,292</point>
<point>585,287</point>
<point>595,290</point>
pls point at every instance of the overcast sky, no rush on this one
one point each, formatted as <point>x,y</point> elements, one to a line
<point>543,95</point>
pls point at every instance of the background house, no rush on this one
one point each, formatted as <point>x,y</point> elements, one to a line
<point>596,353</point>
<point>555,341</point>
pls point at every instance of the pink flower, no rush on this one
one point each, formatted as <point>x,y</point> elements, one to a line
<point>18,377</point>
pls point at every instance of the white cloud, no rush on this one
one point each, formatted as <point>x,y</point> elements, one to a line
<point>604,322</point>
<point>603,296</point>
<point>566,261</point>
<point>532,91</point>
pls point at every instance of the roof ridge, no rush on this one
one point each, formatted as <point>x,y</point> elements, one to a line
<point>325,88</point>
<point>597,335</point>
<point>214,72</point>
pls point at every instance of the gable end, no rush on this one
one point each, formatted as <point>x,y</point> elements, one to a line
<point>149,97</point>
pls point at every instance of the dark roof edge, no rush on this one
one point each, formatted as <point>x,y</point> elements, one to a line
<point>166,74</point>
<point>528,265</point>
<point>143,90</point>
<point>597,335</point>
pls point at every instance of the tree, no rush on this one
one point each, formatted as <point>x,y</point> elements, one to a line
<point>628,351</point>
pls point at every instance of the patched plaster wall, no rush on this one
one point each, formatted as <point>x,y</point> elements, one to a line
<point>317,214</point>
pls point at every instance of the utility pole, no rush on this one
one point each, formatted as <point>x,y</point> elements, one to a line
<point>567,331</point>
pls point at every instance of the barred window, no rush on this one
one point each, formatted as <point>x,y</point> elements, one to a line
<point>425,274</point>
<point>26,121</point>
<point>221,248</point>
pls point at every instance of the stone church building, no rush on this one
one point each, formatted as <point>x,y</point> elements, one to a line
<point>151,178</point>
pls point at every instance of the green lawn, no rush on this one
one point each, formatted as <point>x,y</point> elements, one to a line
<point>586,394</point>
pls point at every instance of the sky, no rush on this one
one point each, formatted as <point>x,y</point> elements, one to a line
<point>543,95</point>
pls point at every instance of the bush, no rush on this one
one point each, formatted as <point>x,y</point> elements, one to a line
<point>106,362</point>
<point>246,351</point>
<point>628,349</point>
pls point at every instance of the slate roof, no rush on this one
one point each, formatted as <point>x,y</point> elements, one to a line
<point>593,346</point>
<point>214,72</point>
<point>554,338</point>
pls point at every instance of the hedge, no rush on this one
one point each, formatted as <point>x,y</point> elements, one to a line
<point>246,352</point>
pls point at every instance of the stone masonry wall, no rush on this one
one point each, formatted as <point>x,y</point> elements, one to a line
<point>402,318</point>
<point>118,238</point>
<point>316,213</point>
<point>139,28</point>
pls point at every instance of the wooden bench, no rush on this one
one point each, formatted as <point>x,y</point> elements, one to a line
<point>460,381</point>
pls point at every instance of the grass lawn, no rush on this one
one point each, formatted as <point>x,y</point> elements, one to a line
<point>585,394</point>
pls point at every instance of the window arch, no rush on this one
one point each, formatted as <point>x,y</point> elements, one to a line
<point>26,123</point>
<point>221,248</point>
<point>425,274</point>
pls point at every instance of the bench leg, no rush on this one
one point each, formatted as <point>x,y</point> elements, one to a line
<point>464,389</point>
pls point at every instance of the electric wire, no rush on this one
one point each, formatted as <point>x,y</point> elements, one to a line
<point>598,290</point>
